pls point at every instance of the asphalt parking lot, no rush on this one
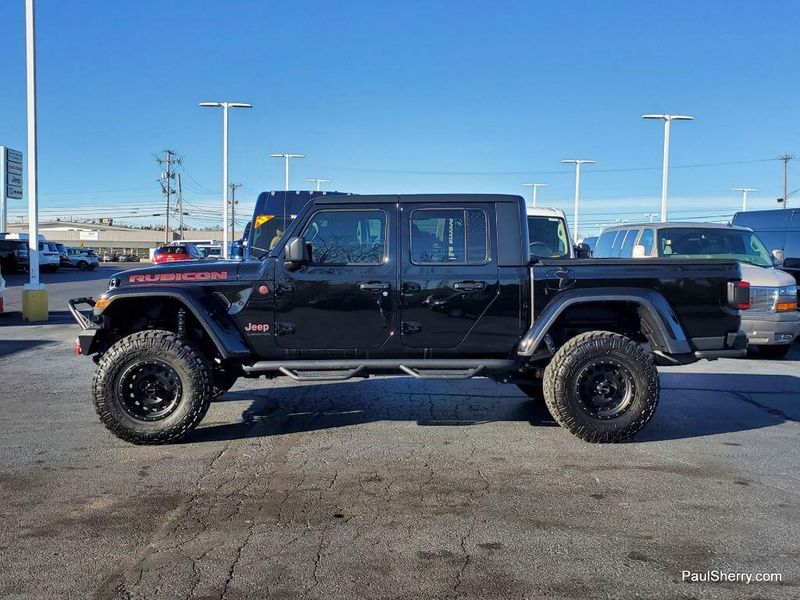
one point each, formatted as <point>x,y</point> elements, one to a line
<point>390,488</point>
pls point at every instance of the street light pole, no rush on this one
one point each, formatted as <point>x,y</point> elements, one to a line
<point>318,181</point>
<point>577,162</point>
<point>665,168</point>
<point>287,156</point>
<point>225,106</point>
<point>651,216</point>
<point>33,162</point>
<point>744,191</point>
<point>534,187</point>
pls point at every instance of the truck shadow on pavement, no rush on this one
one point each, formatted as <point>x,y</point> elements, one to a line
<point>692,405</point>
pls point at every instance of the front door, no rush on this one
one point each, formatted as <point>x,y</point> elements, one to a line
<point>346,297</point>
<point>449,273</point>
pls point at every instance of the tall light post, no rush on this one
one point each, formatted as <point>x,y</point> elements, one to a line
<point>650,216</point>
<point>665,169</point>
<point>287,156</point>
<point>225,106</point>
<point>744,191</point>
<point>318,182</point>
<point>534,187</point>
<point>577,162</point>
<point>34,294</point>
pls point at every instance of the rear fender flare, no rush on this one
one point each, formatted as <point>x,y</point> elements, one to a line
<point>666,332</point>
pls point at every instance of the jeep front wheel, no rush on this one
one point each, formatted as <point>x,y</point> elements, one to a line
<point>601,387</point>
<point>152,387</point>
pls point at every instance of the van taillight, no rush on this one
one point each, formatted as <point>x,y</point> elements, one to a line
<point>739,294</point>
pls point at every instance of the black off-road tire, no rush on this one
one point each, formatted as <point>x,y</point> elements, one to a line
<point>775,351</point>
<point>598,350</point>
<point>192,372</point>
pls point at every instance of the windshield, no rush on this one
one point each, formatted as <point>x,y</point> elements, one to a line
<point>697,242</point>
<point>548,237</point>
<point>267,231</point>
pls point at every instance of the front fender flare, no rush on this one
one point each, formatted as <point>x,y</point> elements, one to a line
<point>667,333</point>
<point>223,332</point>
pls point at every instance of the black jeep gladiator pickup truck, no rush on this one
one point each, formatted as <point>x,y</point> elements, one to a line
<point>431,286</point>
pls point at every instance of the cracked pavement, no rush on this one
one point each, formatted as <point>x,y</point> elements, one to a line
<point>394,488</point>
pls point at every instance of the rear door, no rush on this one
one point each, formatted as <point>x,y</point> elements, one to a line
<point>449,272</point>
<point>346,297</point>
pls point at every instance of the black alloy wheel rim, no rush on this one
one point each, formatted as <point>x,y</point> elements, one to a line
<point>605,388</point>
<point>149,390</point>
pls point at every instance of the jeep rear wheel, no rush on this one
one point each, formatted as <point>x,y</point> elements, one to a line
<point>152,387</point>
<point>601,386</point>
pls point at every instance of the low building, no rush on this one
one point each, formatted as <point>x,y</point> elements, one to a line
<point>107,237</point>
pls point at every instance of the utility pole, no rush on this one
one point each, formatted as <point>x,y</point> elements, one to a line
<point>785,158</point>
<point>180,206</point>
<point>745,191</point>
<point>233,187</point>
<point>318,181</point>
<point>534,186</point>
<point>166,182</point>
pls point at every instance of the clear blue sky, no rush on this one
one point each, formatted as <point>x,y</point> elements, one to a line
<point>369,89</point>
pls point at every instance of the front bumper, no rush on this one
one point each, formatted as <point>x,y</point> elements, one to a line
<point>771,328</point>
<point>89,329</point>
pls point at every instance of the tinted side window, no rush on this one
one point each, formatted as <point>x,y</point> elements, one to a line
<point>616,248</point>
<point>604,242</point>
<point>347,237</point>
<point>449,236</point>
<point>626,251</point>
<point>647,241</point>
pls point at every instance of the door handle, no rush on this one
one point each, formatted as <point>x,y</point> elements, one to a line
<point>373,286</point>
<point>469,286</point>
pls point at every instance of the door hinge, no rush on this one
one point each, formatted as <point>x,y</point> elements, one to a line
<point>284,328</point>
<point>409,327</point>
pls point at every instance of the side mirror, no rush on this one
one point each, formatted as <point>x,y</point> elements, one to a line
<point>297,253</point>
<point>583,251</point>
<point>237,250</point>
<point>639,251</point>
<point>778,257</point>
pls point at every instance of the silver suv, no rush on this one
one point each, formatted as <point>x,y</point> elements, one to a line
<point>82,258</point>
<point>772,322</point>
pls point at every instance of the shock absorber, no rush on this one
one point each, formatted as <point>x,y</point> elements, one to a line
<point>181,322</point>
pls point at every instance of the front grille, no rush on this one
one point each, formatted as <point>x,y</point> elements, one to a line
<point>762,299</point>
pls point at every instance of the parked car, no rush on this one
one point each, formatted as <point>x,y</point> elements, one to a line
<point>108,257</point>
<point>82,259</point>
<point>772,321</point>
<point>2,291</point>
<point>780,231</point>
<point>127,258</point>
<point>591,242</point>
<point>175,252</point>
<point>548,233</point>
<point>429,286</point>
<point>49,255</point>
<point>63,255</point>
<point>13,255</point>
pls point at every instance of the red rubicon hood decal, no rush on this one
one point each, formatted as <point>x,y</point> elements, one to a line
<point>175,277</point>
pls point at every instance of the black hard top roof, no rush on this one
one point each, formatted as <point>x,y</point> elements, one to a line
<point>416,198</point>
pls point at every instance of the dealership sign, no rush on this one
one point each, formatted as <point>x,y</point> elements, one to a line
<point>12,173</point>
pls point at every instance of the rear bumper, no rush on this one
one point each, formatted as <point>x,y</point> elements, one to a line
<point>733,345</point>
